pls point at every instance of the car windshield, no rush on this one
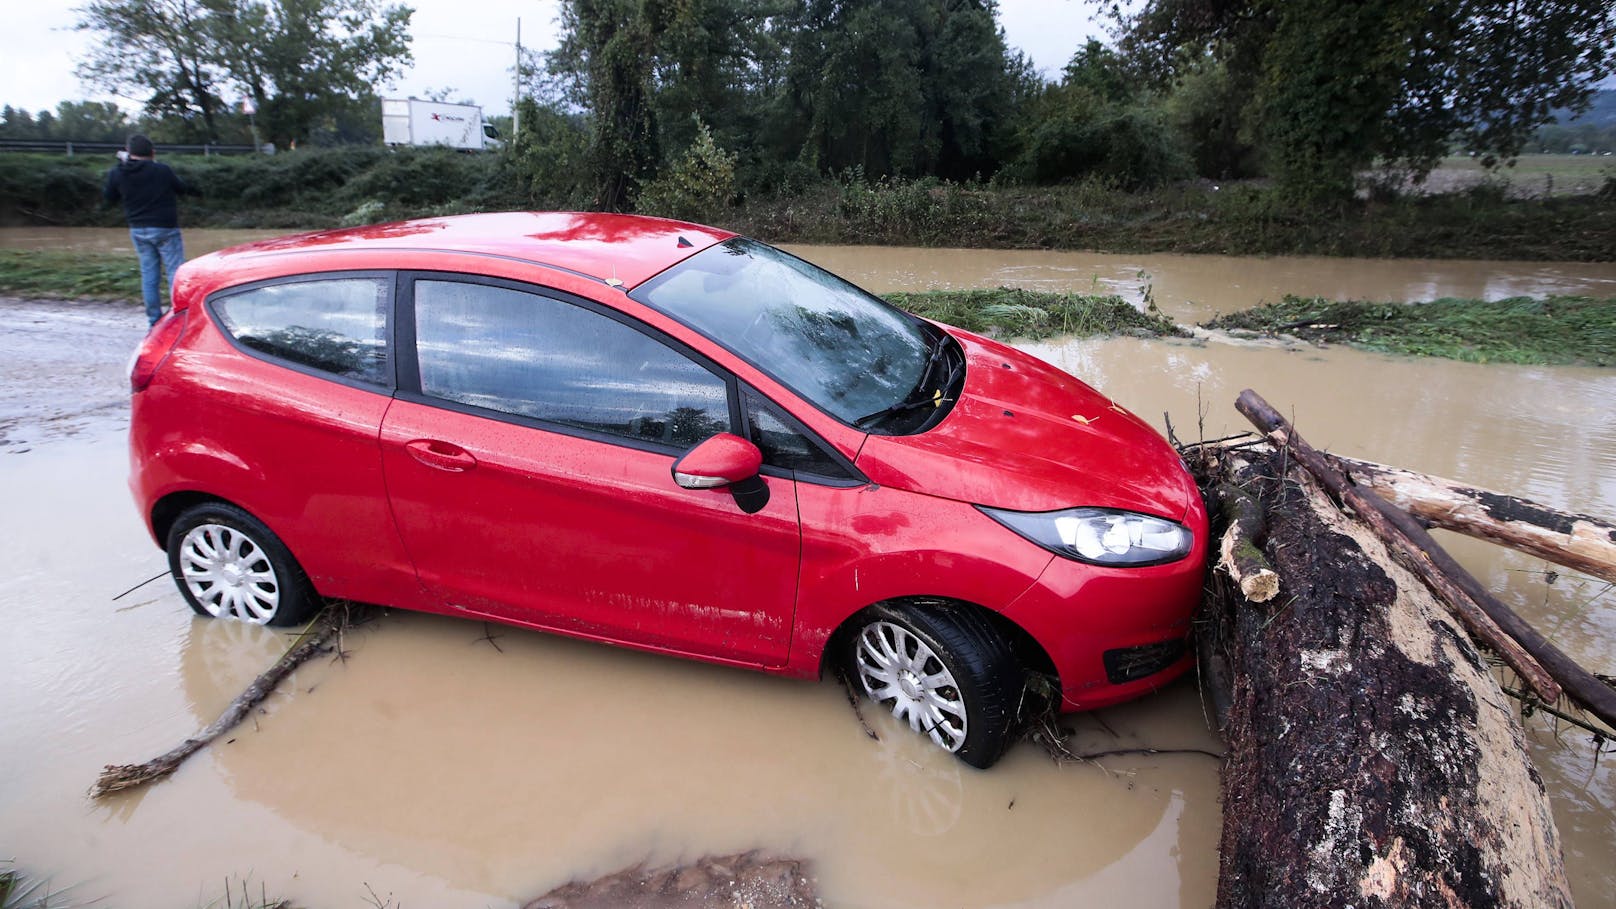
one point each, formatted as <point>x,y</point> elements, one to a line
<point>847,352</point>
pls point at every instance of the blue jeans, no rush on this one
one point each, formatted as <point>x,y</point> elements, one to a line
<point>157,247</point>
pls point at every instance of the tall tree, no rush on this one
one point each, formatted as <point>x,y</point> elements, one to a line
<point>1338,86</point>
<point>157,51</point>
<point>298,60</point>
<point>303,61</point>
<point>894,86</point>
<point>608,46</point>
<point>91,121</point>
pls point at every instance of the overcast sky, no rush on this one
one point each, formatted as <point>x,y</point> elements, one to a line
<point>464,45</point>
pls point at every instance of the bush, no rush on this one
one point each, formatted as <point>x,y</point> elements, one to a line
<point>698,187</point>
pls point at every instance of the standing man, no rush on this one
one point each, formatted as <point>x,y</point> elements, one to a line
<point>149,191</point>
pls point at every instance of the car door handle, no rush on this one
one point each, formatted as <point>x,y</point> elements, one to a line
<point>441,455</point>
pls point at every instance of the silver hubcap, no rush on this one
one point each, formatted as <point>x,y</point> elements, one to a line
<point>901,673</point>
<point>229,574</point>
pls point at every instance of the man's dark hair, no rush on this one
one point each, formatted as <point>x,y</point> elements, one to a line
<point>140,146</point>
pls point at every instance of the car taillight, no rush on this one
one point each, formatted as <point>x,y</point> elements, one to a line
<point>155,348</point>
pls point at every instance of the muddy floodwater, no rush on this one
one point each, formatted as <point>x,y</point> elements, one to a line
<point>446,763</point>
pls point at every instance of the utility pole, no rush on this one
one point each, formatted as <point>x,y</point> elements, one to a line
<point>516,101</point>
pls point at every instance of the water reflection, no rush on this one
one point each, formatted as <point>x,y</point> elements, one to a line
<point>554,757</point>
<point>1195,288</point>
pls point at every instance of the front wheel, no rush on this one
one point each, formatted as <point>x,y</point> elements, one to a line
<point>944,671</point>
<point>229,565</point>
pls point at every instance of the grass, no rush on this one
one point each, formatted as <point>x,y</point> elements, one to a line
<point>69,275</point>
<point>1556,331</point>
<point>1012,312</point>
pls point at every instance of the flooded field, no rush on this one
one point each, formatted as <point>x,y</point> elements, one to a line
<point>450,764</point>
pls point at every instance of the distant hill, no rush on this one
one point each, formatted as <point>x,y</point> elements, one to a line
<point>1601,112</point>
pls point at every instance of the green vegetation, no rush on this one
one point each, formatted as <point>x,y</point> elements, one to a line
<point>308,66</point>
<point>1015,313</point>
<point>318,188</point>
<point>69,275</point>
<point>1558,331</point>
<point>1330,89</point>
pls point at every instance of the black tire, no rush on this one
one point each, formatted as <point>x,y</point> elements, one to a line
<point>987,681</point>
<point>253,576</point>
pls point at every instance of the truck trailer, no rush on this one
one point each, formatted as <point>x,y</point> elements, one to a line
<point>411,121</point>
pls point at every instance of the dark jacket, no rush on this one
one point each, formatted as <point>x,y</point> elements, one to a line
<point>149,191</point>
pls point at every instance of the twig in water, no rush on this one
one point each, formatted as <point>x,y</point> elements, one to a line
<point>314,639</point>
<point>138,586</point>
<point>491,638</point>
<point>853,701</point>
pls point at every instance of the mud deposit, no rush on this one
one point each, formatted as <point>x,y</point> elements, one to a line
<point>451,764</point>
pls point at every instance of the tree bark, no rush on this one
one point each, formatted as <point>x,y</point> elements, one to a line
<point>1238,553</point>
<point>1373,760</point>
<point>1417,555</point>
<point>1576,541</point>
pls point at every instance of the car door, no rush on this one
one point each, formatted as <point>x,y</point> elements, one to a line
<point>529,458</point>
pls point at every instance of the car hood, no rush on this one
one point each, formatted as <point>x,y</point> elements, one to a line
<point>1026,436</point>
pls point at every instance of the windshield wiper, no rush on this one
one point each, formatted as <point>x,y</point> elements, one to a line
<point>936,400</point>
<point>917,397</point>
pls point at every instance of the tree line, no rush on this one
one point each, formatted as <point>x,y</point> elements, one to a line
<point>697,100</point>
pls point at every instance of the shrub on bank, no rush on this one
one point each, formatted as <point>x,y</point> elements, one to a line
<point>1555,331</point>
<point>316,188</point>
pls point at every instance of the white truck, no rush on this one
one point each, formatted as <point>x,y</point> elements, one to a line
<point>411,121</point>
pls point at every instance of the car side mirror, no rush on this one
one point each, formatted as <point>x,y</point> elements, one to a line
<point>719,461</point>
<point>725,460</point>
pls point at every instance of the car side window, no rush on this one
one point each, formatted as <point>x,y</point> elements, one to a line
<point>534,356</point>
<point>336,325</point>
<point>785,447</point>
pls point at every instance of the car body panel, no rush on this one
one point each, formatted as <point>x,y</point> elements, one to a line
<point>527,539</point>
<point>311,435</point>
<point>1053,443</point>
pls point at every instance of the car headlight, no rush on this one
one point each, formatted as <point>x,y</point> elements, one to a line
<point>1103,536</point>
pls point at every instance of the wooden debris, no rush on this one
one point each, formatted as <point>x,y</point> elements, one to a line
<point>1372,760</point>
<point>327,627</point>
<point>1417,556</point>
<point>1576,541</point>
<point>1238,554</point>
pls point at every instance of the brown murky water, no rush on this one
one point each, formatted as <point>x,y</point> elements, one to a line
<point>436,767</point>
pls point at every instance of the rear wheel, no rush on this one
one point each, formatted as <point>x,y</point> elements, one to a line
<point>229,565</point>
<point>942,670</point>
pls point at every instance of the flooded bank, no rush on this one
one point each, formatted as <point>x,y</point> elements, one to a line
<point>1188,288</point>
<point>448,763</point>
<point>1195,288</point>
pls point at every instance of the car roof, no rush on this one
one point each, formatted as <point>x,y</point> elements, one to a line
<point>613,248</point>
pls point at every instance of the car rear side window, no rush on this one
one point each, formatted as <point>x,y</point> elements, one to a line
<point>337,326</point>
<point>526,354</point>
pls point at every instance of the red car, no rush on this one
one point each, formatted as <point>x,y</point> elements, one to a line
<point>665,436</point>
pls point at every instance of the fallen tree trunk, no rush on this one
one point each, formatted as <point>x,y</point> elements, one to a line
<point>1419,555</point>
<point>1438,568</point>
<point>315,639</point>
<point>1373,760</point>
<point>1576,541</point>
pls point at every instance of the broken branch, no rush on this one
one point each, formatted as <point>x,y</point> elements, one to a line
<point>314,639</point>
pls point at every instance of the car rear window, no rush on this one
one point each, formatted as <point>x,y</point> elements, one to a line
<point>334,325</point>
